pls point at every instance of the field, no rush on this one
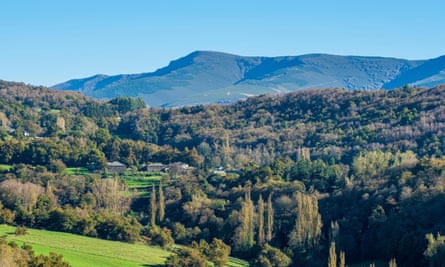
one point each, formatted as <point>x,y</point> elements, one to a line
<point>140,183</point>
<point>77,171</point>
<point>5,167</point>
<point>82,251</point>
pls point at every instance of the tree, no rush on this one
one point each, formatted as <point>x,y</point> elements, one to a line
<point>307,230</point>
<point>342,262</point>
<point>270,218</point>
<point>161,203</point>
<point>219,252</point>
<point>271,257</point>
<point>153,206</point>
<point>108,193</point>
<point>332,260</point>
<point>186,257</point>
<point>435,252</point>
<point>244,234</point>
<point>260,221</point>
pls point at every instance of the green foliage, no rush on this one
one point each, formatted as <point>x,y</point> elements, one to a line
<point>307,231</point>
<point>20,230</point>
<point>126,104</point>
<point>161,237</point>
<point>271,257</point>
<point>84,251</point>
<point>354,154</point>
<point>435,251</point>
<point>187,257</point>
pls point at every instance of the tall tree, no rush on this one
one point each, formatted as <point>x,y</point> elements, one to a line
<point>270,216</point>
<point>392,263</point>
<point>153,206</point>
<point>332,260</point>
<point>307,230</point>
<point>244,234</point>
<point>260,221</point>
<point>161,203</point>
<point>342,262</point>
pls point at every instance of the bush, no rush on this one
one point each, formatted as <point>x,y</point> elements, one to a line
<point>20,230</point>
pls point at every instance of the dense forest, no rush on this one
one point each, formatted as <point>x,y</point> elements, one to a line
<point>300,179</point>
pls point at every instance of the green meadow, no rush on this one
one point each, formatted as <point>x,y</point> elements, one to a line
<point>82,251</point>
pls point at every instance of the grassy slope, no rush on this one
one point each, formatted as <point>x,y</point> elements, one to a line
<point>82,251</point>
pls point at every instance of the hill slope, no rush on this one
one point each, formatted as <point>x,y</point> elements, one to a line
<point>86,251</point>
<point>213,77</point>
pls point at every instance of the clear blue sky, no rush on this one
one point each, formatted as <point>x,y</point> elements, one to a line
<point>46,42</point>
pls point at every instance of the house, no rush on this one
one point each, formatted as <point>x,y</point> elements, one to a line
<point>179,168</point>
<point>116,166</point>
<point>153,167</point>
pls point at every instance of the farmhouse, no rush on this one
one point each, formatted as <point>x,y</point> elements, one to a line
<point>153,167</point>
<point>116,166</point>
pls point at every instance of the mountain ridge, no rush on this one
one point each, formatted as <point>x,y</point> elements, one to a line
<point>203,77</point>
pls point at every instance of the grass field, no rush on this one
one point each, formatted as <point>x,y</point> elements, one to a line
<point>82,251</point>
<point>5,167</point>
<point>77,171</point>
<point>140,183</point>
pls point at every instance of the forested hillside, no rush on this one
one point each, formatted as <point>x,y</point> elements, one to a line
<point>204,77</point>
<point>276,179</point>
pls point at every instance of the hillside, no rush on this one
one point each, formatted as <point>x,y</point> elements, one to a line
<point>212,77</point>
<point>80,251</point>
<point>274,178</point>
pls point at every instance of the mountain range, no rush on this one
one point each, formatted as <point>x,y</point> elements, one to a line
<point>213,77</point>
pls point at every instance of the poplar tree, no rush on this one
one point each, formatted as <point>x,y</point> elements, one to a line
<point>270,215</point>
<point>153,206</point>
<point>307,230</point>
<point>260,221</point>
<point>244,234</point>
<point>392,263</point>
<point>161,203</point>
<point>342,262</point>
<point>332,260</point>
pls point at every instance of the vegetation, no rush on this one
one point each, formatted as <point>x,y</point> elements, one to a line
<point>274,180</point>
<point>85,251</point>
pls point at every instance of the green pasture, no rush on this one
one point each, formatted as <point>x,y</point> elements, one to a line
<point>82,251</point>
<point>141,180</point>
<point>5,167</point>
<point>77,171</point>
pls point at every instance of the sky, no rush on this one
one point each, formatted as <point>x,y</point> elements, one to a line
<point>47,42</point>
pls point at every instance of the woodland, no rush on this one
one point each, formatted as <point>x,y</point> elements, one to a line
<point>307,178</point>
